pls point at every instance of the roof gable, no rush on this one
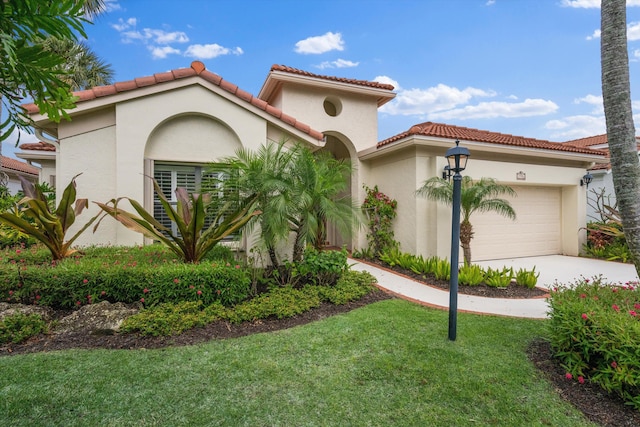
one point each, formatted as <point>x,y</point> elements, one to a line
<point>281,73</point>
<point>197,69</point>
<point>441,130</point>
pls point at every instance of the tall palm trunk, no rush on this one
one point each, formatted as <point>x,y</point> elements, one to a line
<point>616,95</point>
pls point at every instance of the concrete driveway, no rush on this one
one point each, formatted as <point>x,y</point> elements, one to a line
<point>567,269</point>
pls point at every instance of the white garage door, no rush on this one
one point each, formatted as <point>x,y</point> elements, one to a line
<point>536,231</point>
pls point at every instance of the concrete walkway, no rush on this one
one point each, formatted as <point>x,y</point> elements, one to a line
<point>554,268</point>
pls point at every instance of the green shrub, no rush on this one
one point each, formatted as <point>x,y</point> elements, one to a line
<point>442,269</point>
<point>364,253</point>
<point>18,327</point>
<point>118,278</point>
<point>471,275</point>
<point>423,266</point>
<point>170,318</point>
<point>528,278</point>
<point>498,278</point>
<point>322,268</point>
<point>352,286</point>
<point>594,330</point>
<point>280,302</point>
<point>380,210</point>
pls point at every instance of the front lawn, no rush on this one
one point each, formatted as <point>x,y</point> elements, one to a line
<point>385,364</point>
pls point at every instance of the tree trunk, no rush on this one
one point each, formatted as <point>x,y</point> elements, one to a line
<point>616,95</point>
<point>274,258</point>
<point>466,234</point>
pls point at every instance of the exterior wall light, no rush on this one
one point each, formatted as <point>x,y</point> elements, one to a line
<point>586,180</point>
<point>446,173</point>
<point>457,158</point>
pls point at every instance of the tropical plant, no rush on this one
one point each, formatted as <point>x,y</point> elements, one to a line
<point>471,275</point>
<point>192,241</point>
<point>37,220</point>
<point>83,68</point>
<point>621,134</point>
<point>442,269</point>
<point>380,209</point>
<point>26,67</point>
<point>498,278</point>
<point>476,196</point>
<point>264,172</point>
<point>527,278</point>
<point>319,196</point>
<point>297,192</point>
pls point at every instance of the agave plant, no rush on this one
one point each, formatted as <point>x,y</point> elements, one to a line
<point>46,226</point>
<point>192,241</point>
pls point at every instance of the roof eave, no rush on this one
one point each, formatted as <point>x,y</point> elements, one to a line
<point>419,140</point>
<point>276,78</point>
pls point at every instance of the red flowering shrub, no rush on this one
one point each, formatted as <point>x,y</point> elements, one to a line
<point>380,210</point>
<point>595,332</point>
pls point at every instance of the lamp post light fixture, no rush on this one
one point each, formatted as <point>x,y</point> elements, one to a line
<point>457,158</point>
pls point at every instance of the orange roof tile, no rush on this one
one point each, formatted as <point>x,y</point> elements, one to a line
<point>37,146</point>
<point>367,83</point>
<point>197,68</point>
<point>8,163</point>
<point>588,142</point>
<point>441,130</point>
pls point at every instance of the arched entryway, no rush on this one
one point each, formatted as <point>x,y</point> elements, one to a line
<point>341,148</point>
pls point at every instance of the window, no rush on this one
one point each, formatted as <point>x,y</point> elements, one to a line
<point>169,177</point>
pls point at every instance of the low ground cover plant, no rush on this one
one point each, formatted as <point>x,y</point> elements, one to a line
<point>19,327</point>
<point>468,275</point>
<point>595,332</point>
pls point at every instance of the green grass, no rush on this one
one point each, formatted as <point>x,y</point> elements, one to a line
<point>386,364</point>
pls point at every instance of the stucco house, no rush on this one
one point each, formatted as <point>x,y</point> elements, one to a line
<point>602,178</point>
<point>170,125</point>
<point>11,169</point>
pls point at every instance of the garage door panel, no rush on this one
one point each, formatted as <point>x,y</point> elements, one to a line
<point>536,231</point>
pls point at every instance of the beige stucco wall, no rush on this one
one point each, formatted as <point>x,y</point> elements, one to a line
<point>186,124</point>
<point>358,119</point>
<point>424,227</point>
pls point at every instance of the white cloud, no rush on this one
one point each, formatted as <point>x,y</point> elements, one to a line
<point>633,31</point>
<point>490,2</point>
<point>208,51</point>
<point>595,100</point>
<point>161,52</point>
<point>492,110</point>
<point>163,37</point>
<point>320,44</point>
<point>9,145</point>
<point>431,100</point>
<point>389,81</point>
<point>575,127</point>
<point>592,4</point>
<point>123,25</point>
<point>111,5</point>
<point>595,35</point>
<point>340,63</point>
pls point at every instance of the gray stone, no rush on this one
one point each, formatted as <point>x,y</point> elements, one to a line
<point>7,309</point>
<point>101,318</point>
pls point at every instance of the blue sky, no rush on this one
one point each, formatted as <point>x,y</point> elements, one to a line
<point>523,67</point>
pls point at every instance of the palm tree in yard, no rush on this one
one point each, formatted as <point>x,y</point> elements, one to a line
<point>616,94</point>
<point>320,184</point>
<point>476,196</point>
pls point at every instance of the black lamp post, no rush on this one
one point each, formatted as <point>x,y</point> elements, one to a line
<point>457,158</point>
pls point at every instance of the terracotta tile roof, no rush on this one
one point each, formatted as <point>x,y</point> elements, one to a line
<point>441,130</point>
<point>588,142</point>
<point>18,166</point>
<point>594,140</point>
<point>197,68</point>
<point>367,83</point>
<point>37,146</point>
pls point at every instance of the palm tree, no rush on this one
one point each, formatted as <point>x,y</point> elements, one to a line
<point>616,94</point>
<point>83,68</point>
<point>320,182</point>
<point>264,172</point>
<point>476,196</point>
